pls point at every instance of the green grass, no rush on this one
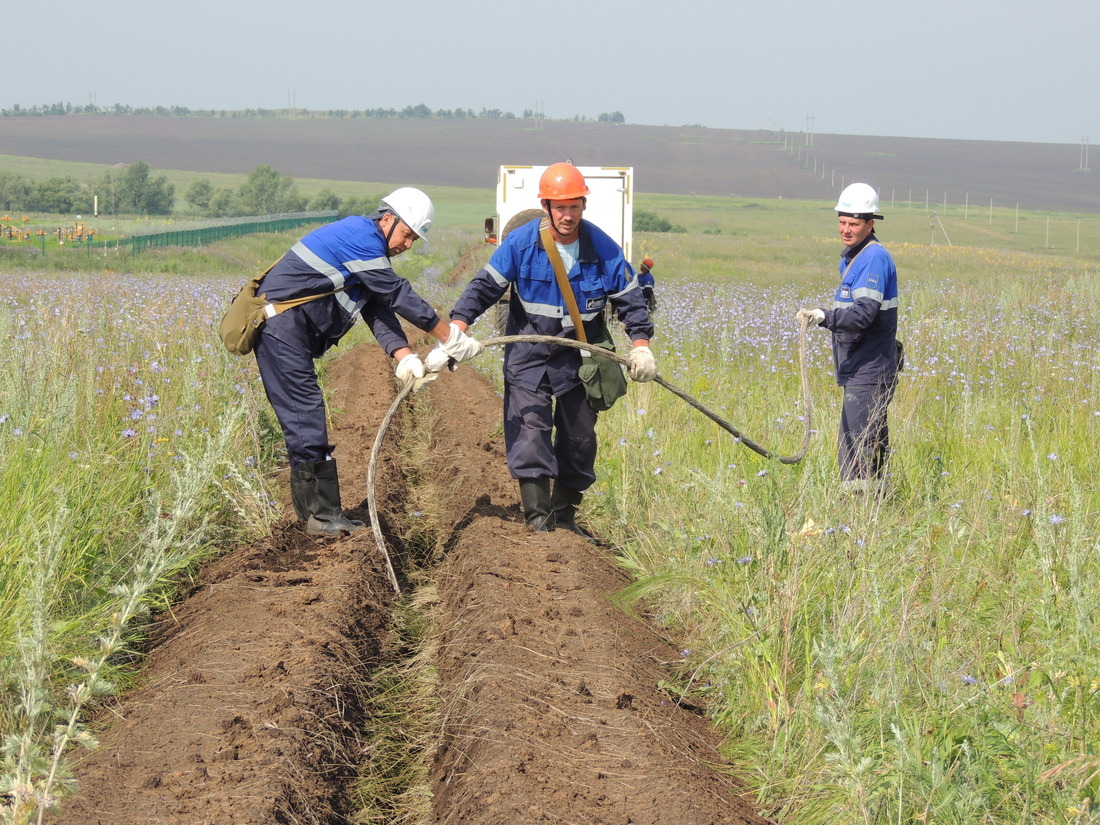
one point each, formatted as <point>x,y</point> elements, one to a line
<point>132,448</point>
<point>927,657</point>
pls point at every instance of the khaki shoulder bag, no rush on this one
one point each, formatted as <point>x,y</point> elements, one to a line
<point>248,311</point>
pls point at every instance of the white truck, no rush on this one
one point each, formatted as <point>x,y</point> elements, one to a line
<point>610,202</point>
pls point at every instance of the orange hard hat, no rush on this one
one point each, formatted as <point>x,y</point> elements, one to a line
<point>562,182</point>
<point>647,263</point>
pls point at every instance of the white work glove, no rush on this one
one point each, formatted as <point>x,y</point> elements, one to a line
<point>459,346</point>
<point>643,366</point>
<point>437,360</point>
<point>813,317</point>
<point>409,368</point>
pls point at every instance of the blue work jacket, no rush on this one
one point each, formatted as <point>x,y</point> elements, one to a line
<point>349,253</point>
<point>864,317</point>
<point>600,275</point>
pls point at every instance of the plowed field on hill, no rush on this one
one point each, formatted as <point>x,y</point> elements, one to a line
<point>677,160</point>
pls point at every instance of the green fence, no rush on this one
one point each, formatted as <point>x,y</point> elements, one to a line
<point>209,233</point>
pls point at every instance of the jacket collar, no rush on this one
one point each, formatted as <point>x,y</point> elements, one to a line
<point>851,251</point>
<point>587,251</point>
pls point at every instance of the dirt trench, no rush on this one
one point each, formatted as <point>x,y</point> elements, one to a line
<point>251,708</point>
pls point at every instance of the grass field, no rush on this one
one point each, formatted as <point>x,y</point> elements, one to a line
<point>131,448</point>
<point>916,223</point>
<point>929,657</point>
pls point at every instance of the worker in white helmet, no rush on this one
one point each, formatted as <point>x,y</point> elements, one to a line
<point>866,352</point>
<point>350,259</point>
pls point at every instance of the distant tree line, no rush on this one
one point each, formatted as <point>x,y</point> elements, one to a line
<point>418,111</point>
<point>134,190</point>
<point>131,191</point>
<point>269,192</point>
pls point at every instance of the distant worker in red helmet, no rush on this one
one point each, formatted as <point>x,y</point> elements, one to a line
<point>646,282</point>
<point>549,424</point>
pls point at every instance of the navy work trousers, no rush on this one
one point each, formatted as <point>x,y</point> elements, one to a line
<point>550,438</point>
<point>864,443</point>
<point>290,381</point>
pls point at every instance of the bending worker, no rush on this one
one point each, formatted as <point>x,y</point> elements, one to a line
<point>864,324</point>
<point>351,259</point>
<point>549,426</point>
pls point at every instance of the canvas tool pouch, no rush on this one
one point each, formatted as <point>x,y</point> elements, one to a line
<point>242,320</point>
<point>603,379</point>
<point>248,311</point>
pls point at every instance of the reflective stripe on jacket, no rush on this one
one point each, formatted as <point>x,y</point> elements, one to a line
<point>349,252</point>
<point>864,317</point>
<point>600,275</point>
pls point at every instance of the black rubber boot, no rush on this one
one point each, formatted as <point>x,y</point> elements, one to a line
<point>564,503</point>
<point>319,486</point>
<point>301,490</point>
<point>534,495</point>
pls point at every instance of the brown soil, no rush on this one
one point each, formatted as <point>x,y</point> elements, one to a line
<point>249,711</point>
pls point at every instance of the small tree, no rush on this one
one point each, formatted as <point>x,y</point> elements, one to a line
<point>268,191</point>
<point>138,193</point>
<point>14,191</point>
<point>364,205</point>
<point>648,222</point>
<point>324,200</point>
<point>223,203</point>
<point>199,193</point>
<point>60,196</point>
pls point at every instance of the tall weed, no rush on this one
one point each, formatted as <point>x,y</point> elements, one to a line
<point>922,656</point>
<point>129,451</point>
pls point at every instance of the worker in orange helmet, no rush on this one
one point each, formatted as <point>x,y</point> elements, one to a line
<point>549,424</point>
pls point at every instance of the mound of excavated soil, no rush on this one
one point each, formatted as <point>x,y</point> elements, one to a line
<point>249,710</point>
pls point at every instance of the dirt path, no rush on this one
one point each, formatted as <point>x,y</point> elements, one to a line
<point>250,711</point>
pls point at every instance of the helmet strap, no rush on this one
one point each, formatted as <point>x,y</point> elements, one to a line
<point>393,227</point>
<point>550,215</point>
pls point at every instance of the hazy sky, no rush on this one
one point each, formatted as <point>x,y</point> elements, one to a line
<point>975,69</point>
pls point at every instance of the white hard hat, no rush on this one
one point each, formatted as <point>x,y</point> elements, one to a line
<point>413,207</point>
<point>859,200</point>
